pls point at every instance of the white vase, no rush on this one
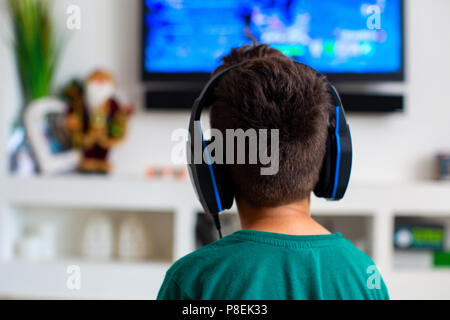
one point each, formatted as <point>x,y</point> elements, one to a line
<point>133,239</point>
<point>98,238</point>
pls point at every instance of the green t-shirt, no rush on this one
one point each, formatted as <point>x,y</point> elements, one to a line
<point>256,265</point>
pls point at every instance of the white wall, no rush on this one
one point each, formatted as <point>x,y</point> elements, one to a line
<point>389,147</point>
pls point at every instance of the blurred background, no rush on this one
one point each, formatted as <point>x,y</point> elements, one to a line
<point>93,203</point>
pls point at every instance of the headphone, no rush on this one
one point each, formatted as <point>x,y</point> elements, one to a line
<point>213,184</point>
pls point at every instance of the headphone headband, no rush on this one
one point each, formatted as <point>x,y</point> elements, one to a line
<point>205,96</point>
<point>204,100</point>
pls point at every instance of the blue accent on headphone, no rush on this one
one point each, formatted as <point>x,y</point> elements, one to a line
<point>211,172</point>
<point>338,156</point>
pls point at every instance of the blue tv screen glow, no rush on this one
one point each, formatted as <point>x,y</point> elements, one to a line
<point>335,37</point>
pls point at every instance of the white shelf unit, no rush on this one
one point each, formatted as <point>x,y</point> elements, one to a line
<point>47,280</point>
<point>72,194</point>
<point>378,203</point>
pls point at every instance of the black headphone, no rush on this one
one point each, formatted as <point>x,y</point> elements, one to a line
<point>211,181</point>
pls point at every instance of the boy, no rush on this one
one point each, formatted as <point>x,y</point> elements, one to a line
<point>281,253</point>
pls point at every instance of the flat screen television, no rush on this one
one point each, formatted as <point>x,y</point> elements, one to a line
<point>353,40</point>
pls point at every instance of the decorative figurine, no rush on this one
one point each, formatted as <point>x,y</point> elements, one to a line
<point>96,119</point>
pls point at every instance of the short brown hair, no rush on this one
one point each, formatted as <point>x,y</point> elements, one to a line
<point>270,91</point>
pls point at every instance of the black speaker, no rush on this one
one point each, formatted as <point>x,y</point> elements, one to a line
<point>364,103</point>
<point>353,103</point>
<point>170,99</point>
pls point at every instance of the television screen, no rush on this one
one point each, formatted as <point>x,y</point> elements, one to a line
<point>351,38</point>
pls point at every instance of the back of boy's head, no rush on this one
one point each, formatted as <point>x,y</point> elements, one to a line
<point>270,91</point>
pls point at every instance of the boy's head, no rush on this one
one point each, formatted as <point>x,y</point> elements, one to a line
<point>269,92</point>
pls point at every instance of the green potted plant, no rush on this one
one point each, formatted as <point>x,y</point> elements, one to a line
<point>35,46</point>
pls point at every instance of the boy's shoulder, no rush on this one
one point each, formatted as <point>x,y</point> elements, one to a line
<point>202,257</point>
<point>232,248</point>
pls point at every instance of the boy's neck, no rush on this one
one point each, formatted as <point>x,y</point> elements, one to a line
<point>294,219</point>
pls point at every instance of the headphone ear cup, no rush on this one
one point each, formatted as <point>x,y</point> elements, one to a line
<point>202,176</point>
<point>225,185</point>
<point>204,187</point>
<point>324,187</point>
<point>213,183</point>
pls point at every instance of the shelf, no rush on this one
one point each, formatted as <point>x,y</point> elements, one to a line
<point>419,197</point>
<point>98,193</point>
<point>418,284</point>
<point>99,280</point>
<point>111,192</point>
